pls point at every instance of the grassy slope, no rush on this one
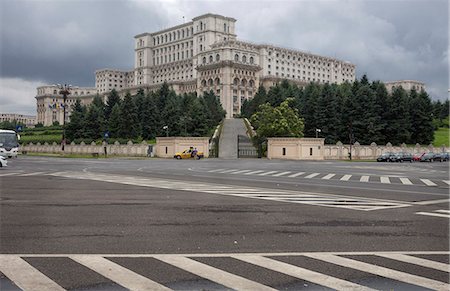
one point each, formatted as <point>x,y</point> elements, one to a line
<point>441,137</point>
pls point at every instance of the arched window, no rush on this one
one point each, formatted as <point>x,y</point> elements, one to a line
<point>217,57</point>
<point>251,83</point>
<point>210,82</point>
<point>236,57</point>
<point>201,25</point>
<point>225,27</point>
<point>201,47</point>
<point>244,82</point>
<point>251,60</point>
<point>165,36</point>
<point>244,59</point>
<point>236,81</point>
<point>157,39</point>
<point>204,83</point>
<point>178,34</point>
<point>217,81</point>
<point>182,33</point>
<point>204,60</point>
<point>210,59</point>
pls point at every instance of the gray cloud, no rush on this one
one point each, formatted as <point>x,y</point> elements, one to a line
<point>66,41</point>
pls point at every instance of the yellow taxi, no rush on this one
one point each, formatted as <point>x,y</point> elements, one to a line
<point>189,154</point>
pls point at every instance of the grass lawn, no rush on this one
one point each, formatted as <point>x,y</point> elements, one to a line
<point>441,137</point>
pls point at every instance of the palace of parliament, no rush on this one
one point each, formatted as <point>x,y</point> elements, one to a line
<point>201,55</point>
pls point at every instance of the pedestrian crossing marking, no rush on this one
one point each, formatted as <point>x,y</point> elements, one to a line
<point>24,275</point>
<point>428,182</point>
<point>406,181</point>
<point>364,179</point>
<point>446,182</point>
<point>281,174</point>
<point>117,273</point>
<point>301,273</point>
<point>240,172</point>
<point>417,261</point>
<point>267,173</point>
<point>385,180</point>
<point>296,174</point>
<point>216,170</point>
<point>8,174</point>
<point>312,175</point>
<point>346,177</point>
<point>213,274</point>
<point>382,271</point>
<point>437,213</point>
<point>32,174</point>
<point>27,277</point>
<point>254,172</point>
<point>329,176</point>
<point>279,195</point>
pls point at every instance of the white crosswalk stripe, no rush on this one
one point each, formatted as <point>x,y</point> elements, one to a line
<point>27,277</point>
<point>428,182</point>
<point>346,177</point>
<point>364,179</point>
<point>296,174</point>
<point>32,174</point>
<point>8,174</point>
<point>281,174</point>
<point>329,176</point>
<point>312,175</point>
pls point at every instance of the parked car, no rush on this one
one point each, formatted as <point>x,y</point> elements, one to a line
<point>417,156</point>
<point>385,157</point>
<point>428,157</point>
<point>3,162</point>
<point>401,157</point>
<point>441,157</point>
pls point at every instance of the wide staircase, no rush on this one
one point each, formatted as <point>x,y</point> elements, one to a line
<point>234,141</point>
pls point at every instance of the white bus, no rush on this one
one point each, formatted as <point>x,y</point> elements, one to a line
<point>9,143</point>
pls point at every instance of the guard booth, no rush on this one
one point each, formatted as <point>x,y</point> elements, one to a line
<point>295,148</point>
<point>166,147</point>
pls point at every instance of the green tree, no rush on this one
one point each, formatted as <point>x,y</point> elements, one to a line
<point>421,121</point>
<point>95,123</point>
<point>281,121</point>
<point>113,99</point>
<point>128,118</point>
<point>75,127</point>
<point>398,130</point>
<point>114,121</point>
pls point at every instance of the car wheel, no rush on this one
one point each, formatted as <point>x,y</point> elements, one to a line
<point>178,157</point>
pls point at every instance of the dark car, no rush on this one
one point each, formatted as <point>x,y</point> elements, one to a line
<point>428,157</point>
<point>385,157</point>
<point>441,157</point>
<point>418,156</point>
<point>401,157</point>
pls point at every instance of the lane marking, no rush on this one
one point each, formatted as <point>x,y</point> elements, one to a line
<point>281,174</point>
<point>428,182</point>
<point>216,170</point>
<point>301,273</point>
<point>117,273</point>
<point>32,174</point>
<point>24,275</point>
<point>228,171</point>
<point>213,274</point>
<point>385,180</point>
<point>267,173</point>
<point>429,202</point>
<point>241,172</point>
<point>417,261</point>
<point>405,181</point>
<point>346,178</point>
<point>8,174</point>
<point>434,214</point>
<point>446,181</point>
<point>443,211</point>
<point>382,271</point>
<point>296,174</point>
<point>312,175</point>
<point>364,179</point>
<point>328,177</point>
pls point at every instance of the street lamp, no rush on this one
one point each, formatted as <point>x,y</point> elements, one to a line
<point>65,91</point>
<point>167,130</point>
<point>317,132</point>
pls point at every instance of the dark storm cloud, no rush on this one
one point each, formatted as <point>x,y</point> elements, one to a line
<point>66,41</point>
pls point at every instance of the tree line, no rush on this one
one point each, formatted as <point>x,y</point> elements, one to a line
<point>361,111</point>
<point>145,116</point>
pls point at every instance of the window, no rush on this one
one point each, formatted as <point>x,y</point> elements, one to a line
<point>217,57</point>
<point>244,59</point>
<point>310,151</point>
<point>210,82</point>
<point>236,57</point>
<point>225,27</point>
<point>210,59</point>
<point>284,151</point>
<point>235,81</point>
<point>251,60</point>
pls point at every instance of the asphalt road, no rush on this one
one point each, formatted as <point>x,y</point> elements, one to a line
<point>213,224</point>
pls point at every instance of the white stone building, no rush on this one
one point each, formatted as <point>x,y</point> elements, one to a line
<point>408,85</point>
<point>204,54</point>
<point>28,120</point>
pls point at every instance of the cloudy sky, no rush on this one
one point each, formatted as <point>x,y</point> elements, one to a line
<point>65,41</point>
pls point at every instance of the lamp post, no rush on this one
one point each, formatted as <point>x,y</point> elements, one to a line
<point>64,90</point>
<point>317,132</point>
<point>167,130</point>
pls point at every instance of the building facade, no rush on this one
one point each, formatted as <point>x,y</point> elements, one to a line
<point>205,54</point>
<point>28,120</point>
<point>408,85</point>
